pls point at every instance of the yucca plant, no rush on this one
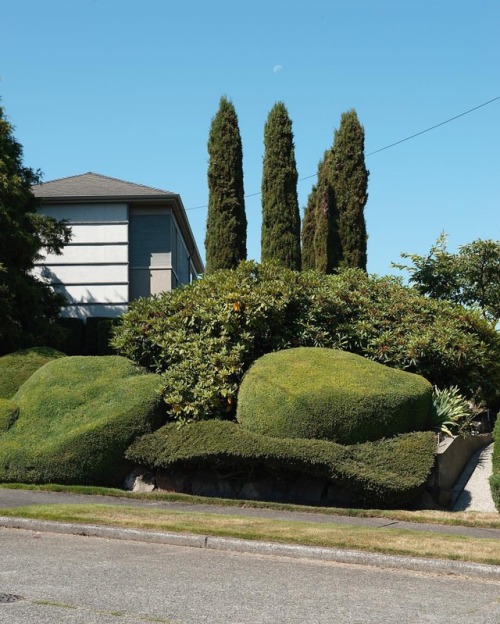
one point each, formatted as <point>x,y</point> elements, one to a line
<point>451,412</point>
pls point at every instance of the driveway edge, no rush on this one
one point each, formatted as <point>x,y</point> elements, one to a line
<point>436,566</point>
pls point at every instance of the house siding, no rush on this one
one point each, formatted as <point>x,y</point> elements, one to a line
<point>92,271</point>
<point>129,241</point>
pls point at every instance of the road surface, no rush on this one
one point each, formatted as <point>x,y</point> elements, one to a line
<point>68,579</point>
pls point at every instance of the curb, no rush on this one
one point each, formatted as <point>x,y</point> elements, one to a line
<point>436,566</point>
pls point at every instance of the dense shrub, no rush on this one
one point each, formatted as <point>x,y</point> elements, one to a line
<point>17,367</point>
<point>495,476</point>
<point>383,473</point>
<point>331,395</point>
<point>77,416</point>
<point>71,339</point>
<point>8,414</point>
<point>204,336</point>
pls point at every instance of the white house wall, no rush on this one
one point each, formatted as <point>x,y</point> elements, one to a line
<point>92,271</point>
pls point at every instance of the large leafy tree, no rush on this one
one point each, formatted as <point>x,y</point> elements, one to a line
<point>27,305</point>
<point>280,237</point>
<point>225,240</point>
<point>349,177</point>
<point>470,277</point>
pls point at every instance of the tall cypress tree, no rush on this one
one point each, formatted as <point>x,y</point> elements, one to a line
<point>280,236</point>
<point>225,240</point>
<point>308,229</point>
<point>326,235</point>
<point>349,178</point>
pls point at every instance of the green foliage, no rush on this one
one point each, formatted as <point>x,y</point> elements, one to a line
<point>225,240</point>
<point>26,304</point>
<point>495,476</point>
<point>335,225</point>
<point>308,229</point>
<point>77,415</point>
<point>17,367</point>
<point>470,277</point>
<point>451,413</point>
<point>331,395</point>
<point>8,414</point>
<point>280,239</point>
<point>326,240</point>
<point>384,473</point>
<point>71,339</point>
<point>204,336</point>
<point>350,184</point>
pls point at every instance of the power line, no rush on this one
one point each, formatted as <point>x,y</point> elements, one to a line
<point>442,123</point>
<point>434,127</point>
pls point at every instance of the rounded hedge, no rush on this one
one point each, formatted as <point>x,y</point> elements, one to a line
<point>76,417</point>
<point>331,395</point>
<point>385,473</point>
<point>204,336</point>
<point>16,368</point>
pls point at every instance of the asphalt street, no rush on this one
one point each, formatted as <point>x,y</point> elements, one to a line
<point>66,579</point>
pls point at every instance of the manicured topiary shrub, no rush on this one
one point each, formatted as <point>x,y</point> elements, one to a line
<point>9,412</point>
<point>331,395</point>
<point>384,473</point>
<point>16,368</point>
<point>77,415</point>
<point>495,476</point>
<point>204,336</point>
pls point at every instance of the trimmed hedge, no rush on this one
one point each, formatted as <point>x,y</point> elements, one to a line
<point>77,415</point>
<point>204,336</point>
<point>495,476</point>
<point>383,473</point>
<point>333,395</point>
<point>16,368</point>
<point>8,414</point>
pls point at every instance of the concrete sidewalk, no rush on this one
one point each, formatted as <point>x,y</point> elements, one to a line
<point>472,491</point>
<point>11,498</point>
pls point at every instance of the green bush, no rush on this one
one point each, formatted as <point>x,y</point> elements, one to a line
<point>104,335</point>
<point>327,394</point>
<point>16,368</point>
<point>384,473</point>
<point>204,336</point>
<point>9,412</point>
<point>77,415</point>
<point>72,336</point>
<point>495,476</point>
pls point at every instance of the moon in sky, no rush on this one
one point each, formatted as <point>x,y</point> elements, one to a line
<point>277,68</point>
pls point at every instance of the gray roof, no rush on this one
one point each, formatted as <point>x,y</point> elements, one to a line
<point>96,185</point>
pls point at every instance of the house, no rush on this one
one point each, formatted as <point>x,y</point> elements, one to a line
<point>129,241</point>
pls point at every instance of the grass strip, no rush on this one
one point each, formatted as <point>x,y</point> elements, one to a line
<point>379,540</point>
<point>485,520</point>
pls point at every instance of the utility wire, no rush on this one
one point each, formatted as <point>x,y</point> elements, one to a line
<point>442,123</point>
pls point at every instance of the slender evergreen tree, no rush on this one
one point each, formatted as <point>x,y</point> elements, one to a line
<point>280,237</point>
<point>349,179</point>
<point>326,239</point>
<point>308,229</point>
<point>225,240</point>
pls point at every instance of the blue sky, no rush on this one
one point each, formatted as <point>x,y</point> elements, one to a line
<point>128,88</point>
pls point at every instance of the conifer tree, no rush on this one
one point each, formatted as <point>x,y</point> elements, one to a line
<point>28,306</point>
<point>326,239</point>
<point>308,229</point>
<point>225,240</point>
<point>349,179</point>
<point>280,236</point>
